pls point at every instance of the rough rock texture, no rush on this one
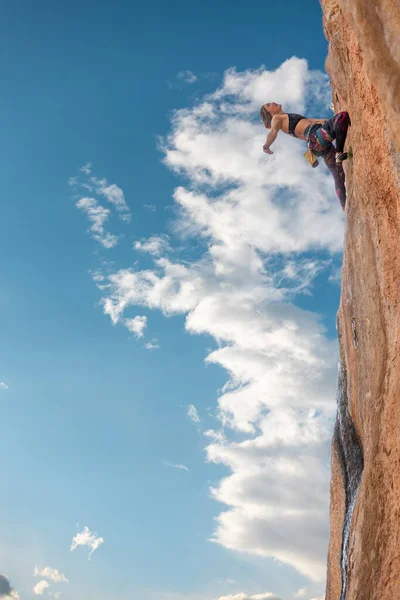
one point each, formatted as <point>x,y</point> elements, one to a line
<point>364,66</point>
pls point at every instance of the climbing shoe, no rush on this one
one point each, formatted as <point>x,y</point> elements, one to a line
<point>340,157</point>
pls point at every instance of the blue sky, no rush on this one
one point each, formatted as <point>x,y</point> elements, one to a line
<point>137,108</point>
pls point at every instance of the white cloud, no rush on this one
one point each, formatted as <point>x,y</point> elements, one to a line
<point>267,226</point>
<point>40,587</point>
<point>187,76</point>
<point>86,538</point>
<point>181,467</point>
<point>155,245</point>
<point>51,574</point>
<point>3,386</point>
<point>152,345</point>
<point>114,195</point>
<point>97,216</point>
<point>97,276</point>
<point>137,325</point>
<point>86,169</point>
<point>193,415</point>
<point>150,207</point>
<point>95,211</point>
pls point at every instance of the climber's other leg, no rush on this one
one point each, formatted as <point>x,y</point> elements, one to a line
<point>337,173</point>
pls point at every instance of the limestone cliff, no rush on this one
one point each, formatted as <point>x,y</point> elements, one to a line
<point>364,66</point>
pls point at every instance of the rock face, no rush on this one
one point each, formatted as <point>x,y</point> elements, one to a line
<point>364,66</point>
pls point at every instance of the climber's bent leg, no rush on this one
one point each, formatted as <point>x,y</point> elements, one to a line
<point>337,173</point>
<point>336,128</point>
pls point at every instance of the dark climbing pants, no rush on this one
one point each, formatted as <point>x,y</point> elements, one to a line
<point>320,142</point>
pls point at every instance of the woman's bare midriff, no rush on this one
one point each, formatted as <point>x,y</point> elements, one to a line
<point>300,127</point>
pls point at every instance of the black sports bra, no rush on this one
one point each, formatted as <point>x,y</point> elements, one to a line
<point>293,121</point>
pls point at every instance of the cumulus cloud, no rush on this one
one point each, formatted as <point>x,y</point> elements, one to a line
<point>173,466</point>
<point>52,574</point>
<point>267,227</point>
<point>40,587</point>
<point>137,325</point>
<point>86,538</point>
<point>6,591</point>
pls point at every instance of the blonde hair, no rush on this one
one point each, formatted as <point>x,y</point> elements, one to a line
<point>266,117</point>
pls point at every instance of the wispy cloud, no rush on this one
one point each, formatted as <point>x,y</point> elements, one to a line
<point>52,574</point>
<point>173,466</point>
<point>336,275</point>
<point>137,325</point>
<point>3,386</point>
<point>150,207</point>
<point>86,538</point>
<point>187,76</point>
<point>193,415</point>
<point>97,215</point>
<point>96,212</point>
<point>86,169</point>
<point>152,345</point>
<point>97,276</point>
<point>114,195</point>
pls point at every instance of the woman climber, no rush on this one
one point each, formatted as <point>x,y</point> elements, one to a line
<point>319,133</point>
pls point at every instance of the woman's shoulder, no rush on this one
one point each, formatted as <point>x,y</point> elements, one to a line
<point>279,118</point>
<point>277,122</point>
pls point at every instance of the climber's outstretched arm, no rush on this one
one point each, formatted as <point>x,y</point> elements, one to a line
<point>276,125</point>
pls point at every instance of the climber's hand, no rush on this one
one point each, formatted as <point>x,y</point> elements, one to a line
<point>267,150</point>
